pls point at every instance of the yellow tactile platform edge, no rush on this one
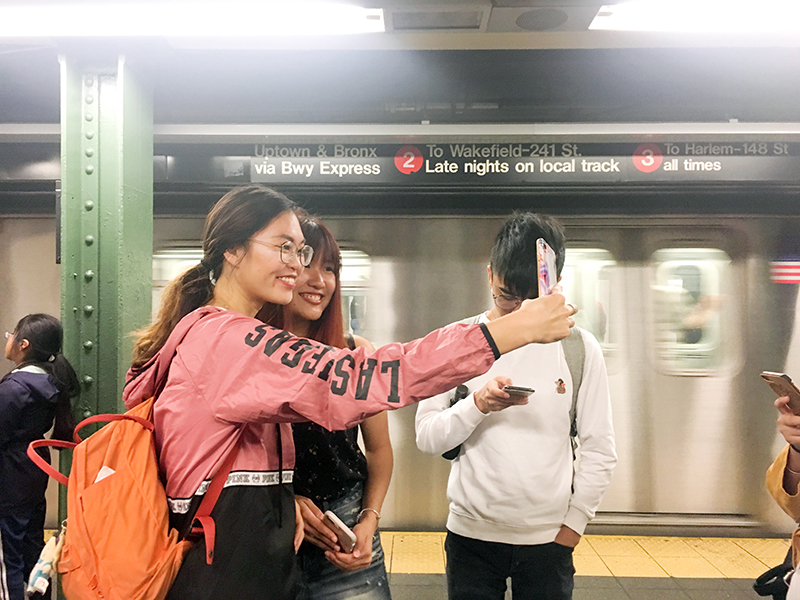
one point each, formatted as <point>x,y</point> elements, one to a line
<point>620,556</point>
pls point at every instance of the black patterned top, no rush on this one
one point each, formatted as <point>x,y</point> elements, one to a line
<point>328,463</point>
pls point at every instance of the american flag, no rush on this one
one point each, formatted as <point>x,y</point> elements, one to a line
<point>785,271</point>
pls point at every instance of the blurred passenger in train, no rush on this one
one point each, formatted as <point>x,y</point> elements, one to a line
<point>783,475</point>
<point>235,378</point>
<point>681,316</point>
<point>518,505</point>
<point>330,471</point>
<point>694,324</point>
<point>34,397</point>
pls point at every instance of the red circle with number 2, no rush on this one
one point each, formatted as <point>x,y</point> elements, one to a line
<point>408,160</point>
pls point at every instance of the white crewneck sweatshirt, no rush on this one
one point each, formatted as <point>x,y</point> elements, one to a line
<point>513,480</point>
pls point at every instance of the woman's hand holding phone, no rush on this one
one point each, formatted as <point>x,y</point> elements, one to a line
<point>315,530</point>
<point>537,321</point>
<point>789,428</point>
<point>361,556</point>
<point>322,536</point>
<point>788,422</point>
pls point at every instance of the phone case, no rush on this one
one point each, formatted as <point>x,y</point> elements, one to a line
<point>345,535</point>
<point>782,385</point>
<point>546,265</point>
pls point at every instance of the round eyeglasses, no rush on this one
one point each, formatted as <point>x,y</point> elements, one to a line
<point>506,302</point>
<point>289,250</point>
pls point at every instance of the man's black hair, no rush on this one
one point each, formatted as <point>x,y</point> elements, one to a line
<point>513,257</point>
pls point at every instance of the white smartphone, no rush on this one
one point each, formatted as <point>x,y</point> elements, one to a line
<point>546,265</point>
<point>345,535</point>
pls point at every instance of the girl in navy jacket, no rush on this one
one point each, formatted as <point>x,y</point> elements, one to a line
<point>34,397</point>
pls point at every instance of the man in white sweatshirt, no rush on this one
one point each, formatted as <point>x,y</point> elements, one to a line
<point>518,506</point>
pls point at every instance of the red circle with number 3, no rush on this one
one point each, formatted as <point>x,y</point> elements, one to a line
<point>647,158</point>
<point>408,160</point>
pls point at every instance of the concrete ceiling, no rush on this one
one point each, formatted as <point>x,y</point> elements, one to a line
<point>506,61</point>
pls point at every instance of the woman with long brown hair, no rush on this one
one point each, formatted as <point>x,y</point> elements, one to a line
<point>331,472</point>
<point>237,382</point>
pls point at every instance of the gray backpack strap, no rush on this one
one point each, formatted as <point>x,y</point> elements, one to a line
<point>471,320</point>
<point>575,353</point>
<point>461,391</point>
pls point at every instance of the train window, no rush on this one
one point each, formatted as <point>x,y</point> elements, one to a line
<point>688,289</point>
<point>587,281</point>
<point>355,287</point>
<point>171,262</point>
<point>168,264</point>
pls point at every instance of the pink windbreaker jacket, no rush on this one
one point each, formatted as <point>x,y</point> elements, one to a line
<point>232,371</point>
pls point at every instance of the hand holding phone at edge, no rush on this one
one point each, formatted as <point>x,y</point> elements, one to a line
<point>788,422</point>
<point>315,530</point>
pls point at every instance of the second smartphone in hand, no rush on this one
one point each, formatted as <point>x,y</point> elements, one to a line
<point>783,385</point>
<point>345,535</point>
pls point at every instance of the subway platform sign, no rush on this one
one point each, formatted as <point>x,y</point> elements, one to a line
<point>509,163</point>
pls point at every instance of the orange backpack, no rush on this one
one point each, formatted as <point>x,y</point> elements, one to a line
<point>119,545</point>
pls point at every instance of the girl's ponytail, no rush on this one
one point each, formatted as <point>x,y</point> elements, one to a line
<point>189,291</point>
<point>68,388</point>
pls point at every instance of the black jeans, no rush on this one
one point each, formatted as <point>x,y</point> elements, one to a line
<point>477,570</point>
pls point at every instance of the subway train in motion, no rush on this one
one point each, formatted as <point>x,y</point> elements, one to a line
<point>689,290</point>
<point>685,309</point>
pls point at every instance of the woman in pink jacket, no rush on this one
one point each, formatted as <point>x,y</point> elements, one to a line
<point>235,380</point>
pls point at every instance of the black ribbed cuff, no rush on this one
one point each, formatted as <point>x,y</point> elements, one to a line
<point>490,339</point>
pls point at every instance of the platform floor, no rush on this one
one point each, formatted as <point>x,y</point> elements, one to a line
<point>610,567</point>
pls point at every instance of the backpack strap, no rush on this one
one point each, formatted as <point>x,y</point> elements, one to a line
<point>575,355</point>
<point>107,419</point>
<point>203,514</point>
<point>163,360</point>
<point>351,341</point>
<point>461,391</point>
<point>42,463</point>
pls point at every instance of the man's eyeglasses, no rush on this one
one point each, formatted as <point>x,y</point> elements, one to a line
<point>506,302</point>
<point>289,250</point>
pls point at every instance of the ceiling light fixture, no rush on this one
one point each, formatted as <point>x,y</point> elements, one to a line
<point>701,16</point>
<point>202,18</point>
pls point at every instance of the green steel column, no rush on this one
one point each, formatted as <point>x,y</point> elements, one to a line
<point>106,222</point>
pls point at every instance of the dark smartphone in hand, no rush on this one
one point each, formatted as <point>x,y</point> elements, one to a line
<point>518,390</point>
